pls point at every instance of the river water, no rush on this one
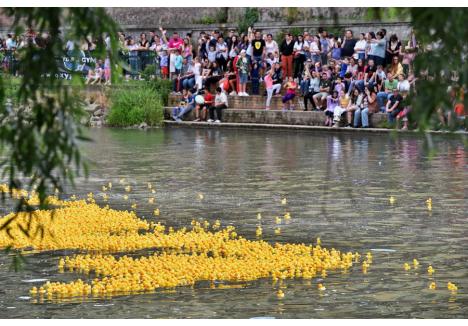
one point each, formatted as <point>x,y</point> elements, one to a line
<point>337,186</point>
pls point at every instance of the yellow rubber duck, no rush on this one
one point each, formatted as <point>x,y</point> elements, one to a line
<point>429,201</point>
<point>33,291</point>
<point>429,207</point>
<point>280,294</point>
<point>278,231</point>
<point>150,186</point>
<point>128,188</point>
<point>277,220</point>
<point>432,286</point>
<point>321,287</point>
<point>451,286</point>
<point>415,263</point>
<point>392,200</point>
<point>156,212</point>
<point>125,197</point>
<point>287,216</point>
<point>430,270</point>
<point>109,185</point>
<point>284,201</point>
<point>258,231</point>
<point>153,191</point>
<point>151,200</point>
<point>122,181</point>
<point>259,216</point>
<point>407,267</point>
<point>134,206</point>
<point>200,196</point>
<point>104,188</point>
<point>319,242</point>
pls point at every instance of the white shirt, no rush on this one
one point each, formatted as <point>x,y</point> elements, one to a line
<point>314,48</point>
<point>361,44</point>
<point>271,47</point>
<point>222,48</point>
<point>221,98</point>
<point>298,46</point>
<point>403,86</point>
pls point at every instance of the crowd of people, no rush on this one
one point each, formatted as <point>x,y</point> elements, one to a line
<point>348,78</point>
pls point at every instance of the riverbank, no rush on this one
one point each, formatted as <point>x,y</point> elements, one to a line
<point>286,127</point>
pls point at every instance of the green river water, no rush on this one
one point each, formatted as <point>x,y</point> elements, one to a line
<point>338,187</point>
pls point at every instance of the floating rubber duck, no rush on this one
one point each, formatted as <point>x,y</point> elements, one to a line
<point>125,197</point>
<point>451,286</point>
<point>278,231</point>
<point>259,216</point>
<point>134,206</point>
<point>128,188</point>
<point>122,181</point>
<point>392,200</point>
<point>407,267</point>
<point>429,201</point>
<point>104,188</point>
<point>284,201</point>
<point>200,196</point>
<point>156,212</point>
<point>105,197</point>
<point>280,294</point>
<point>429,207</point>
<point>319,242</point>
<point>415,263</point>
<point>153,191</point>
<point>151,200</point>
<point>258,231</point>
<point>321,287</point>
<point>287,216</point>
<point>430,270</point>
<point>432,286</point>
<point>33,291</point>
<point>150,186</point>
<point>277,220</point>
<point>369,257</point>
<point>109,185</point>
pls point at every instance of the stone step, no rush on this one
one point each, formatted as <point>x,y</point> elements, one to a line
<point>250,102</point>
<point>309,118</point>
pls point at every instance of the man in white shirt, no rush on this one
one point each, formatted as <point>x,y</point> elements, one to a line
<point>221,103</point>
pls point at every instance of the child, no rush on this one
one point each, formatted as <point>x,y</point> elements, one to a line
<point>290,94</point>
<point>243,69</point>
<point>341,108</point>
<point>164,64</point>
<point>212,54</point>
<point>178,62</point>
<point>107,71</point>
<point>339,85</point>
<point>332,102</point>
<point>255,78</point>
<point>336,51</point>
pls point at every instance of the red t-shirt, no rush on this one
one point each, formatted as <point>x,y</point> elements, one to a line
<point>208,98</point>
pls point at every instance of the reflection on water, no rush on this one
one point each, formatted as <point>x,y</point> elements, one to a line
<point>337,186</point>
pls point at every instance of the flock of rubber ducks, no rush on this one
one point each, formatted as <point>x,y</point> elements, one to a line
<point>392,201</point>
<point>185,256</point>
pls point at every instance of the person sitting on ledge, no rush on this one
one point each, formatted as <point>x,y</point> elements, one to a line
<point>332,102</point>
<point>186,105</point>
<point>203,100</point>
<point>221,103</point>
<point>340,108</point>
<point>393,107</point>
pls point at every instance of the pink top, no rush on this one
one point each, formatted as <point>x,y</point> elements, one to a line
<point>268,81</point>
<point>177,44</point>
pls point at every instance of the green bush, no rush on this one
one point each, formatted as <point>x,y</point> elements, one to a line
<point>162,87</point>
<point>251,17</point>
<point>148,72</point>
<point>134,105</point>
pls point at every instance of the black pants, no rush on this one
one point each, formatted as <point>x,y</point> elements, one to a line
<point>219,111</point>
<point>308,97</point>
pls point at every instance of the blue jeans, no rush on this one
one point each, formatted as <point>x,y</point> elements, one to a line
<point>188,83</point>
<point>179,112</point>
<point>382,97</point>
<point>361,115</point>
<point>304,85</point>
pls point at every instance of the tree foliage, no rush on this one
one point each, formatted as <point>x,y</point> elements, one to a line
<point>39,133</point>
<point>441,59</point>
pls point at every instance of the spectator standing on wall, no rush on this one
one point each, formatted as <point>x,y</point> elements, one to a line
<point>347,47</point>
<point>393,49</point>
<point>379,48</point>
<point>243,69</point>
<point>360,48</point>
<point>287,49</point>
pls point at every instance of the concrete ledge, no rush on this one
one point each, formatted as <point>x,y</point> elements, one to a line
<point>282,127</point>
<point>258,116</point>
